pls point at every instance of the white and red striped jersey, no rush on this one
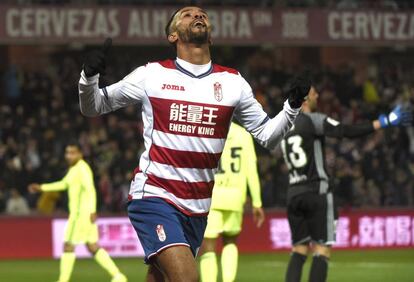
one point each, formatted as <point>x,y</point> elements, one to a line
<point>186,111</point>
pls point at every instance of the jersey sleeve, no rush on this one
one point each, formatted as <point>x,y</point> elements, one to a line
<point>267,131</point>
<point>57,185</point>
<point>89,189</point>
<point>128,91</point>
<point>319,121</point>
<point>333,128</point>
<point>252,174</point>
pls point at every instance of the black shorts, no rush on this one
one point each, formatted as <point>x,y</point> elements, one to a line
<point>312,217</point>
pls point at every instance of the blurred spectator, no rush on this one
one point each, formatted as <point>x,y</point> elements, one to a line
<point>105,191</point>
<point>370,93</point>
<point>16,204</point>
<point>10,80</point>
<point>47,202</point>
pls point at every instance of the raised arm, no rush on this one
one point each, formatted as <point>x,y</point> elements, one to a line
<point>54,186</point>
<point>60,185</point>
<point>94,101</point>
<point>332,128</point>
<point>269,131</point>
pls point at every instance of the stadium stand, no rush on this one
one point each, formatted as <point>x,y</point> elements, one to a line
<point>40,112</point>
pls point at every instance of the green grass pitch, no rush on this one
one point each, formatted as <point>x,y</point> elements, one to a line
<point>364,266</point>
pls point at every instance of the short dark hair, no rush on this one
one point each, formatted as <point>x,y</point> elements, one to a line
<point>74,143</point>
<point>168,26</point>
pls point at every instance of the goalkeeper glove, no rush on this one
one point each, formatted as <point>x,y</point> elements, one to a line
<point>95,60</point>
<point>398,116</point>
<point>298,89</point>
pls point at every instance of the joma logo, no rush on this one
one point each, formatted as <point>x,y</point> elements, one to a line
<point>172,87</point>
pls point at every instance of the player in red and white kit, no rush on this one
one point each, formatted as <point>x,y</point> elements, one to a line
<point>187,105</point>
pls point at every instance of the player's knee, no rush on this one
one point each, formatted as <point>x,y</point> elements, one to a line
<point>229,239</point>
<point>301,249</point>
<point>67,248</point>
<point>188,276</point>
<point>182,273</point>
<point>194,277</point>
<point>209,245</point>
<point>92,248</point>
<point>320,250</point>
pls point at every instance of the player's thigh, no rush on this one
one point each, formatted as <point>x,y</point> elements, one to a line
<point>154,274</point>
<point>178,264</point>
<point>322,220</point>
<point>161,226</point>
<point>81,230</point>
<point>297,221</point>
<point>92,233</point>
<point>72,229</point>
<point>232,223</point>
<point>214,224</point>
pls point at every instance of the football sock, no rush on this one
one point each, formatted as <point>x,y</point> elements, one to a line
<point>208,267</point>
<point>229,260</point>
<point>319,268</point>
<point>67,261</point>
<point>294,270</point>
<point>105,261</point>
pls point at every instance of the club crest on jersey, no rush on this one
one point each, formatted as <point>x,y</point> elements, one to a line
<point>161,233</point>
<point>218,92</point>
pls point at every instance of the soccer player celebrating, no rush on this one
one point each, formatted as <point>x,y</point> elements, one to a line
<point>311,210</point>
<point>237,170</point>
<point>187,105</point>
<point>81,226</point>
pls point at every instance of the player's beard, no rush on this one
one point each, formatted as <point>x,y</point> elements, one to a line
<point>199,37</point>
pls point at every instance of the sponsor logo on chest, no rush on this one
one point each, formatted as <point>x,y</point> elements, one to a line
<point>172,87</point>
<point>196,115</point>
<point>197,108</point>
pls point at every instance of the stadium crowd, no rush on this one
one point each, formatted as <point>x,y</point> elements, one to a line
<point>39,113</point>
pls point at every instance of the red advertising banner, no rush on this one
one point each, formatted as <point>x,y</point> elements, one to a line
<point>239,26</point>
<point>42,237</point>
<point>25,237</point>
<point>355,230</point>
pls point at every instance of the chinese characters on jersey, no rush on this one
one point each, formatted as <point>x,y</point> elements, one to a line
<point>197,119</point>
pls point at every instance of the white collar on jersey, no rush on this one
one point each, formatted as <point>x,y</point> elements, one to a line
<point>196,70</point>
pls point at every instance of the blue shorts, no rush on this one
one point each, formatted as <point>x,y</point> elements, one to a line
<point>160,225</point>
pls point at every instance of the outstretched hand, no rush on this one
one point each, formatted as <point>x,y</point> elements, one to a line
<point>95,61</point>
<point>298,89</point>
<point>34,188</point>
<point>258,216</point>
<point>93,217</point>
<point>398,116</point>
